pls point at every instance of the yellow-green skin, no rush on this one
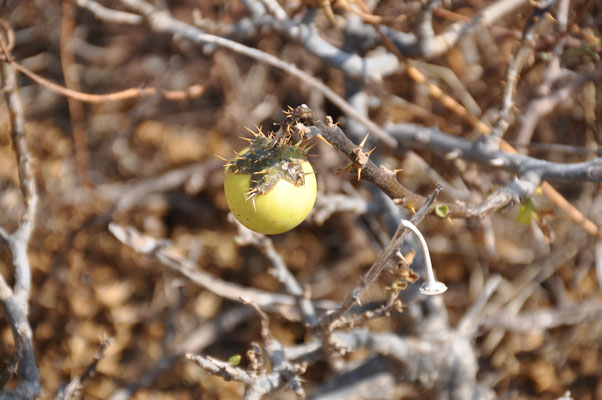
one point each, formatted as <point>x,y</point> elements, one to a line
<point>281,209</point>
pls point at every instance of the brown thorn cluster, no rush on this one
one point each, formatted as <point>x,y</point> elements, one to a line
<point>361,159</point>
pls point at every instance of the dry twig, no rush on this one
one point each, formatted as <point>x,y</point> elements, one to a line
<point>163,251</point>
<point>15,300</point>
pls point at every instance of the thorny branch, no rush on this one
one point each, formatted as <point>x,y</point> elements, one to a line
<point>162,22</point>
<point>386,180</point>
<point>374,272</point>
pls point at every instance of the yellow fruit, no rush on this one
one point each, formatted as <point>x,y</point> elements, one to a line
<point>281,208</point>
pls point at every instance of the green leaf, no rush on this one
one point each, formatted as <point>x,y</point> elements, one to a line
<point>441,210</point>
<point>544,56</point>
<point>234,360</point>
<point>527,212</point>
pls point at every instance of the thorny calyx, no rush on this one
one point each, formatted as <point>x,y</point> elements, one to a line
<point>268,159</point>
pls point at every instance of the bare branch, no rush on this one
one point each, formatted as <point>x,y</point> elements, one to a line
<point>374,272</point>
<point>514,68</point>
<point>470,320</point>
<point>163,251</point>
<point>163,22</point>
<point>278,363</point>
<point>223,369</point>
<point>447,363</point>
<point>279,271</point>
<point>539,107</point>
<point>485,153</point>
<point>198,339</point>
<point>258,381</point>
<point>326,205</point>
<point>109,14</point>
<point>306,34</point>
<point>15,301</point>
<point>132,93</point>
<point>545,319</point>
<point>438,45</point>
<point>72,389</point>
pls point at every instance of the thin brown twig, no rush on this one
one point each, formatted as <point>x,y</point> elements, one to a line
<point>449,102</point>
<point>131,93</point>
<point>367,16</point>
<point>174,95</point>
<point>76,108</point>
<point>10,38</point>
<point>450,15</point>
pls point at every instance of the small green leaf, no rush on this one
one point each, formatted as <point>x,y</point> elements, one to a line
<point>527,212</point>
<point>441,210</point>
<point>544,55</point>
<point>234,360</point>
<point>539,191</point>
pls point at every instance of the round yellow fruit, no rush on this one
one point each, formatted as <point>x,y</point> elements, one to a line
<point>284,206</point>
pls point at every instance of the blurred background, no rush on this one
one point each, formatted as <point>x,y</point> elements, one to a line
<point>150,162</point>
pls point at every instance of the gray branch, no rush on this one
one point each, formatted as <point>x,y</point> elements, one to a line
<point>279,270</point>
<point>306,34</point>
<point>446,364</point>
<point>164,252</point>
<point>15,300</point>
<point>483,152</point>
<point>163,22</point>
<point>430,46</point>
